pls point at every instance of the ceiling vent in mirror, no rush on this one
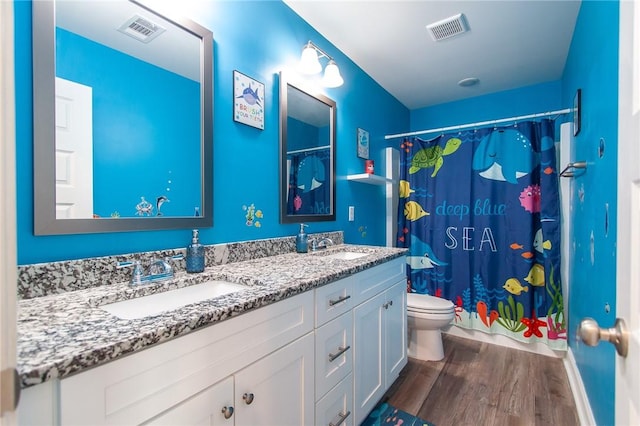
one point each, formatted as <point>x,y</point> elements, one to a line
<point>448,27</point>
<point>141,29</point>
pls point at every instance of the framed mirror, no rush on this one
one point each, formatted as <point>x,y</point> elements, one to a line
<point>123,118</point>
<point>307,155</point>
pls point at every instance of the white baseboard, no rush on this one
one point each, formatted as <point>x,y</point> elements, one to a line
<point>577,388</point>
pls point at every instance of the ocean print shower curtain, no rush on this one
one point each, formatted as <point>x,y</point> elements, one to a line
<point>479,212</point>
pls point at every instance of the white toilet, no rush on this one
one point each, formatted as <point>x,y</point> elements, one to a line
<point>426,315</point>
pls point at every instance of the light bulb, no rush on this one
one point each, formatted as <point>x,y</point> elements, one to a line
<point>309,63</point>
<point>332,77</point>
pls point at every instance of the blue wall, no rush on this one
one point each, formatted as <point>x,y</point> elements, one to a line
<point>245,159</point>
<point>132,159</point>
<point>592,65</point>
<point>509,103</point>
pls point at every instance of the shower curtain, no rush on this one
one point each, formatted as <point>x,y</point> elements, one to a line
<point>479,212</point>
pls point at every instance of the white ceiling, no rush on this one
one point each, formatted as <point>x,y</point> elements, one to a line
<point>510,44</point>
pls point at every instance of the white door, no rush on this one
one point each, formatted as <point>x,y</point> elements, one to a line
<point>74,150</point>
<point>7,217</point>
<point>628,238</point>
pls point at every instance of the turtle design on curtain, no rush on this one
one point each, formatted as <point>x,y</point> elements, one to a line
<point>479,212</point>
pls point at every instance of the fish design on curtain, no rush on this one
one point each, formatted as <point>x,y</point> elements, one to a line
<point>479,212</point>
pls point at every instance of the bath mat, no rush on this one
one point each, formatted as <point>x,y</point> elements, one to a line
<point>387,415</point>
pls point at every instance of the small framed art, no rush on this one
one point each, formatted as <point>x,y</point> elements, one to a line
<point>248,100</point>
<point>577,105</point>
<point>363,143</point>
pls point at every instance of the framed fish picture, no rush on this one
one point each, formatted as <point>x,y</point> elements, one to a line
<point>363,144</point>
<point>248,100</point>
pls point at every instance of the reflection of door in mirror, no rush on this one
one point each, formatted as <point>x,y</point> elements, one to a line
<point>74,151</point>
<point>146,114</point>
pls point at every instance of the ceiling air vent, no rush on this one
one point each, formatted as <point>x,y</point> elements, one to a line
<point>141,29</point>
<point>448,27</point>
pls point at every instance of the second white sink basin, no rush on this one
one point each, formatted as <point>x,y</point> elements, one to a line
<point>345,255</point>
<point>169,300</point>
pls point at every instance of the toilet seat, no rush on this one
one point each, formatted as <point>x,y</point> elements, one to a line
<point>423,303</point>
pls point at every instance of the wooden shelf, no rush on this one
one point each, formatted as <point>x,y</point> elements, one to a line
<point>370,179</point>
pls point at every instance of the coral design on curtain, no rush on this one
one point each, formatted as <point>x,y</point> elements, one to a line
<point>479,212</point>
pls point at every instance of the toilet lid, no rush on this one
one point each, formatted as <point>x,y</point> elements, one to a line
<point>424,302</point>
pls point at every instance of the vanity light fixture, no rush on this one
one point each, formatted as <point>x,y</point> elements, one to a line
<point>310,64</point>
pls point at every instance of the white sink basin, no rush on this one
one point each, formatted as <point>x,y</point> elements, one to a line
<point>345,255</point>
<point>169,300</point>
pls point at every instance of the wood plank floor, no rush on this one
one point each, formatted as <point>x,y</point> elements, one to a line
<point>482,384</point>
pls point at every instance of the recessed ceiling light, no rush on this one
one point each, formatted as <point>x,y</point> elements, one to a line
<point>466,82</point>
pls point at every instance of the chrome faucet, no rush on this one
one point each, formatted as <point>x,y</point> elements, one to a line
<point>159,270</point>
<point>322,244</point>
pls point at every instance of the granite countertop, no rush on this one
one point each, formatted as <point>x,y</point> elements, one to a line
<point>62,334</point>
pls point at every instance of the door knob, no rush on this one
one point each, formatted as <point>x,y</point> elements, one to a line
<point>592,334</point>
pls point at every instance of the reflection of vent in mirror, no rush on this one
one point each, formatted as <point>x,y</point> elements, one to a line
<point>141,29</point>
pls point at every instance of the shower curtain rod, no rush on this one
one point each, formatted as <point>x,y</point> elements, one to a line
<point>481,123</point>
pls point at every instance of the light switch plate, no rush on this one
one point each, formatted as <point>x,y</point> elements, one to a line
<point>352,213</point>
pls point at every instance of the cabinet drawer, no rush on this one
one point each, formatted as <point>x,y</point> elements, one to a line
<point>379,278</point>
<point>334,352</point>
<point>336,405</point>
<point>334,299</point>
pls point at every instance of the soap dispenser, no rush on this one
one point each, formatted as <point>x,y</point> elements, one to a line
<point>302,240</point>
<point>195,254</point>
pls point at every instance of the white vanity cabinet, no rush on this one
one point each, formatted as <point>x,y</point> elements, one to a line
<point>334,353</point>
<point>380,335</point>
<point>361,341</point>
<point>267,352</point>
<point>277,389</point>
<point>322,357</point>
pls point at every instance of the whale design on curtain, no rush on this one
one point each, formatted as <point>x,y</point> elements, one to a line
<point>479,212</point>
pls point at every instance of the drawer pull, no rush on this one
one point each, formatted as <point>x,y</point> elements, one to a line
<point>332,357</point>
<point>227,412</point>
<point>248,398</point>
<point>340,299</point>
<point>343,417</point>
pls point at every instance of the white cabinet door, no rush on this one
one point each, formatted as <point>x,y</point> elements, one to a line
<point>368,353</point>
<point>212,407</point>
<point>380,346</point>
<point>278,389</point>
<point>395,331</point>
